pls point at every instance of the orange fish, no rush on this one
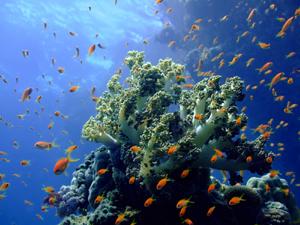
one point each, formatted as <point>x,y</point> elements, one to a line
<point>158,1</point>
<point>131,180</point>
<point>198,116</point>
<point>211,187</point>
<point>265,67</point>
<point>24,162</point>
<point>48,189</point>
<point>149,201</point>
<point>45,145</point>
<point>102,171</point>
<point>135,149</point>
<point>62,164</point>
<point>162,183</point>
<point>267,187</point>
<point>285,26</point>
<point>71,148</point>
<point>172,149</point>
<point>183,203</point>
<point>50,125</point>
<point>91,49</point>
<point>195,27</point>
<point>4,186</point>
<point>26,94</point>
<point>286,191</point>
<point>98,199</point>
<point>236,200</point>
<point>182,211</point>
<point>38,99</point>
<point>57,113</point>
<point>275,79</point>
<point>210,211</point>
<point>185,173</point>
<point>249,159</point>
<point>264,45</point>
<point>214,158</point>
<point>274,173</point>
<point>188,222</point>
<point>120,218</point>
<point>74,88</point>
<point>218,152</point>
<point>297,12</point>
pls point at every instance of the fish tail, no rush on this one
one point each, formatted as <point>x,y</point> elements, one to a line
<point>71,159</point>
<point>259,70</point>
<point>269,85</point>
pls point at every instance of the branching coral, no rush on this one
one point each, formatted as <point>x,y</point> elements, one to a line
<point>158,126</point>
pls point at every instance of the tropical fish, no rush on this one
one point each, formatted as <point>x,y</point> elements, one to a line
<point>71,148</point>
<point>102,171</point>
<point>62,164</point>
<point>275,80</point>
<point>149,201</point>
<point>98,199</point>
<point>264,45</point>
<point>74,88</point>
<point>188,221</point>
<point>266,66</point>
<point>236,200</point>
<point>24,162</point>
<point>185,173</point>
<point>183,202</point>
<point>91,49</point>
<point>210,211</point>
<point>26,94</point>
<point>285,26</point>
<point>45,145</point>
<point>162,183</point>
<point>61,69</point>
<point>251,15</point>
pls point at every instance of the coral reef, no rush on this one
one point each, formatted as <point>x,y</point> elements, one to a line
<point>161,137</point>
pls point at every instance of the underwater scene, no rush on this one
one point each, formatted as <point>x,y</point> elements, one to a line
<point>150,112</point>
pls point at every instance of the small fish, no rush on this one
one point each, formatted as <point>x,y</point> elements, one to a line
<point>158,1</point>
<point>45,145</point>
<point>131,180</point>
<point>4,186</point>
<point>195,27</point>
<point>211,187</point>
<point>26,94</point>
<point>188,221</point>
<point>61,69</point>
<point>25,53</point>
<point>48,189</point>
<point>102,171</point>
<point>274,173</point>
<point>172,149</point>
<point>100,46</point>
<point>235,59</point>
<point>98,199</point>
<point>171,44</point>
<point>162,183</point>
<point>38,99</point>
<point>77,53</point>
<point>182,211</point>
<point>266,66</point>
<point>285,26</point>
<point>74,88</point>
<point>24,162</point>
<point>251,15</point>
<point>185,173</point>
<point>249,62</point>
<point>71,148</point>
<point>120,218</point>
<point>214,158</point>
<point>236,200</point>
<point>62,164</point>
<point>290,55</point>
<point>135,149</point>
<point>71,33</point>
<point>149,201</point>
<point>264,45</point>
<point>210,211</point>
<point>275,80</point>
<point>27,202</point>
<point>91,49</point>
<point>183,203</point>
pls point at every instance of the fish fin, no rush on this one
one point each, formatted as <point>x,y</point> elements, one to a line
<point>54,144</point>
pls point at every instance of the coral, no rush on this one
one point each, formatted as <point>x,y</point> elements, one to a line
<point>153,129</point>
<point>274,213</point>
<point>275,189</point>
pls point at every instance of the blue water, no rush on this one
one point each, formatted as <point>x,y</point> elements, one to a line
<point>121,27</point>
